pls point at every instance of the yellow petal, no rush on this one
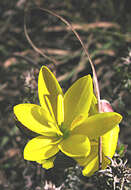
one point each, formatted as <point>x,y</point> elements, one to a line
<point>75,146</point>
<point>36,119</point>
<point>49,87</point>
<point>93,166</point>
<point>77,99</point>
<point>109,142</point>
<point>40,148</point>
<point>105,162</point>
<point>82,161</point>
<point>48,163</point>
<point>60,110</point>
<point>78,121</point>
<point>91,162</point>
<point>93,108</point>
<point>98,124</point>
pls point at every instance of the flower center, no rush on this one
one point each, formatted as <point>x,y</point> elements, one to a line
<point>65,131</point>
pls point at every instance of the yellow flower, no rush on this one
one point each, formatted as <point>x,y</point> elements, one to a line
<point>109,144</point>
<point>61,121</point>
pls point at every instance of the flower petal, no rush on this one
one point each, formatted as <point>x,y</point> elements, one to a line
<point>77,99</point>
<point>91,162</point>
<point>93,166</point>
<point>36,119</point>
<point>78,121</point>
<point>94,107</point>
<point>48,87</point>
<point>98,124</point>
<point>109,142</point>
<point>82,161</point>
<point>48,163</point>
<point>75,146</point>
<point>40,148</point>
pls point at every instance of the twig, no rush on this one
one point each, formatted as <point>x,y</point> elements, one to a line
<point>35,48</point>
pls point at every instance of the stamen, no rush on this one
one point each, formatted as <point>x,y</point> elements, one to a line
<point>60,110</point>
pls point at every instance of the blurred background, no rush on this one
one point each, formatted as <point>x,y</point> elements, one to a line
<point>105,29</point>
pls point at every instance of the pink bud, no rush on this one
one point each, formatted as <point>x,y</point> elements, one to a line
<point>105,106</point>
